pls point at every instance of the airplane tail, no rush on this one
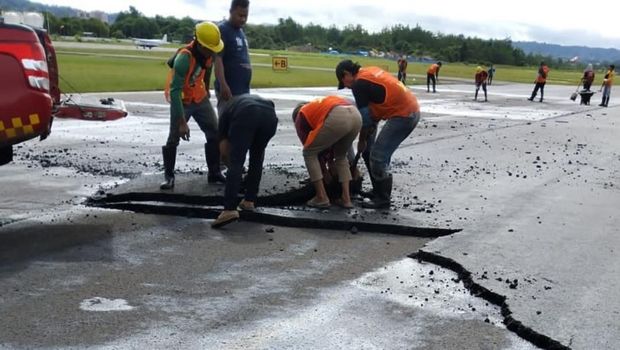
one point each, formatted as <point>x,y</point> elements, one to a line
<point>165,38</point>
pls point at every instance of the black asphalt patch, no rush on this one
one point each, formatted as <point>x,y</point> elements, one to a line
<point>280,203</point>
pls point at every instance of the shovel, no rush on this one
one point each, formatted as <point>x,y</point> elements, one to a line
<point>574,95</point>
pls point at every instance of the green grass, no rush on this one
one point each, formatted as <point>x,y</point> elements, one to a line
<point>97,74</point>
<point>98,70</point>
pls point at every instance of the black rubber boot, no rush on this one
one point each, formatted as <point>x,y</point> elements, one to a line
<point>170,156</point>
<point>212,155</point>
<point>368,194</point>
<point>383,195</point>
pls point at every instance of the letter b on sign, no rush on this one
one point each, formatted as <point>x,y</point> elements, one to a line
<point>279,63</point>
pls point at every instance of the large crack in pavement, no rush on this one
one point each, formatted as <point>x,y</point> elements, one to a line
<point>281,204</point>
<point>513,325</point>
<point>282,217</point>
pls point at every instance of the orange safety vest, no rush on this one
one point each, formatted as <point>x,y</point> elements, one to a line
<point>433,69</point>
<point>481,77</point>
<point>193,91</point>
<point>542,78</point>
<point>316,111</point>
<point>399,100</point>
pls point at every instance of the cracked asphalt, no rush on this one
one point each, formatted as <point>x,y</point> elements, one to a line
<point>532,187</point>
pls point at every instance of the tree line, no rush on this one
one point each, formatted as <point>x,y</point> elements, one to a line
<point>288,34</point>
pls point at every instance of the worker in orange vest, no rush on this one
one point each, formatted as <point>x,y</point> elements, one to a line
<point>330,122</point>
<point>480,79</point>
<point>188,95</point>
<point>541,80</point>
<point>432,75</point>
<point>379,96</point>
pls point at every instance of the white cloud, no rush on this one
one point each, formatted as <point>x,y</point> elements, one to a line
<point>551,21</point>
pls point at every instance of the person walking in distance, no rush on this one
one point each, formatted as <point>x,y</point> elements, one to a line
<point>379,96</point>
<point>541,80</point>
<point>189,97</point>
<point>233,71</point>
<point>432,75</point>
<point>607,83</point>
<point>481,81</point>
<point>491,74</point>
<point>402,69</point>
<point>247,123</point>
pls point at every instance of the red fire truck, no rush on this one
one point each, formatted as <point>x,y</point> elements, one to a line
<point>28,88</point>
<point>29,91</point>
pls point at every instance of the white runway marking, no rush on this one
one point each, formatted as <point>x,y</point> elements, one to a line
<point>102,304</point>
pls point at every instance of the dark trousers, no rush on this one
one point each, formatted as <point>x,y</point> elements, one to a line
<point>538,86</point>
<point>251,131</point>
<point>381,147</point>
<point>430,78</point>
<point>204,114</point>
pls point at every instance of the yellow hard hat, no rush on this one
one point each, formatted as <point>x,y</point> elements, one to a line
<point>208,35</point>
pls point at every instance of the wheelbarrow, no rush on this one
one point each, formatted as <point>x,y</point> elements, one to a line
<point>585,97</point>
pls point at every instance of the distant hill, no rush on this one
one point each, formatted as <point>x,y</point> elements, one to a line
<point>585,54</point>
<point>58,11</point>
<point>26,5</point>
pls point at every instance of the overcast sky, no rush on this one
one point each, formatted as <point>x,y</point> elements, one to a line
<point>559,22</point>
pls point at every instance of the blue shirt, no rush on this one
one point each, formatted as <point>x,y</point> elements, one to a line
<point>236,59</point>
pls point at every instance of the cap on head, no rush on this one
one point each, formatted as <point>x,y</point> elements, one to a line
<point>345,66</point>
<point>208,35</point>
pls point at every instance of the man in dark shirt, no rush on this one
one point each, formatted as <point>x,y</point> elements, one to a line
<point>491,73</point>
<point>232,66</point>
<point>247,123</point>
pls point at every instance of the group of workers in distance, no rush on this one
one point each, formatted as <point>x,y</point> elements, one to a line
<point>327,126</point>
<point>484,77</point>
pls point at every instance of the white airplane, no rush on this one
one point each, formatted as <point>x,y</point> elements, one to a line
<point>150,43</point>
